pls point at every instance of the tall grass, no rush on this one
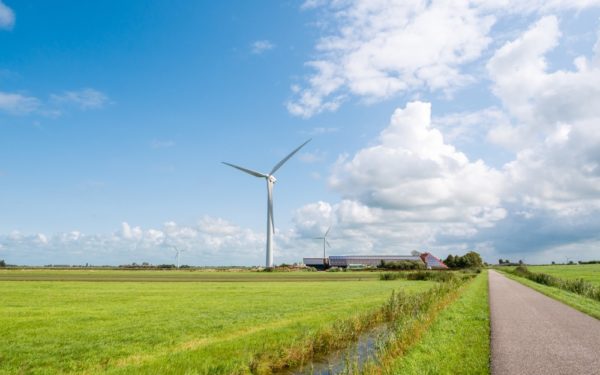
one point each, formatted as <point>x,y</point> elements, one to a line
<point>458,341</point>
<point>413,318</point>
<point>440,276</point>
<point>578,286</point>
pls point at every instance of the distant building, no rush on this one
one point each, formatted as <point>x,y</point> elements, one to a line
<point>318,263</point>
<point>360,261</point>
<point>368,260</point>
<point>433,262</point>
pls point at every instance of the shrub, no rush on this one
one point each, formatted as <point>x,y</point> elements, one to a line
<point>391,276</point>
<point>589,262</point>
<point>471,270</point>
<point>441,276</point>
<point>402,265</point>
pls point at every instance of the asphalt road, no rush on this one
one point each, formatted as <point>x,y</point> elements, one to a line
<point>534,334</point>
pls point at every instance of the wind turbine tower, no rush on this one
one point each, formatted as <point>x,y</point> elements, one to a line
<point>270,178</point>
<point>324,238</point>
<point>177,251</point>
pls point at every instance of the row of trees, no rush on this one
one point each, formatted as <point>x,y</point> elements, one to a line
<point>469,260</point>
<point>506,262</point>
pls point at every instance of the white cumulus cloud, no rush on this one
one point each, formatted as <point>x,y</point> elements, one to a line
<point>7,16</point>
<point>374,50</point>
<point>380,48</point>
<point>556,119</point>
<point>412,169</point>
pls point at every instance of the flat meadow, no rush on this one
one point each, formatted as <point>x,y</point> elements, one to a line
<point>117,321</point>
<point>587,272</point>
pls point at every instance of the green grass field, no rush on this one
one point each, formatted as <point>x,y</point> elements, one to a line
<point>78,274</point>
<point>587,272</point>
<point>204,325</point>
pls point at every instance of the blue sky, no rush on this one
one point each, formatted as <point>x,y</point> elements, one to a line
<point>436,126</point>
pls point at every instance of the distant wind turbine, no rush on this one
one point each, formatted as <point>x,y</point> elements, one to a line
<point>324,238</point>
<point>177,251</point>
<point>270,182</point>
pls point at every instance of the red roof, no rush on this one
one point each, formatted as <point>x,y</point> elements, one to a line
<point>432,261</point>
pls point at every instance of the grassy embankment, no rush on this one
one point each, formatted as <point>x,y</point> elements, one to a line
<point>590,273</point>
<point>156,327</point>
<point>451,336</point>
<point>458,341</point>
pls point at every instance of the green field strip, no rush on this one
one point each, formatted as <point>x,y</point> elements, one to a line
<point>179,276</point>
<point>587,272</point>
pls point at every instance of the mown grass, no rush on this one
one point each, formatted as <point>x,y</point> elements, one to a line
<point>101,275</point>
<point>581,303</point>
<point>587,272</point>
<point>166,327</point>
<point>458,341</point>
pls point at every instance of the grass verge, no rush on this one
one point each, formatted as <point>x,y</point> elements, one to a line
<point>583,304</point>
<point>412,323</point>
<point>458,341</point>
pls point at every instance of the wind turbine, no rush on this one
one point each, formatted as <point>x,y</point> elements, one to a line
<point>324,238</point>
<point>270,182</point>
<point>178,251</point>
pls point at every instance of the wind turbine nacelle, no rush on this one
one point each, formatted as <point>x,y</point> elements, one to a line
<point>272,179</point>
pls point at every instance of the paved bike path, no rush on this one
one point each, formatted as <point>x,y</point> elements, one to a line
<point>535,334</point>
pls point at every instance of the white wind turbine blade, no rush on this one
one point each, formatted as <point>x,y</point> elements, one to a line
<point>326,233</point>
<point>249,171</point>
<point>278,165</point>
<point>327,242</point>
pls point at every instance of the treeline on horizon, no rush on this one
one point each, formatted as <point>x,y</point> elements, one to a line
<point>469,260</point>
<point>506,262</point>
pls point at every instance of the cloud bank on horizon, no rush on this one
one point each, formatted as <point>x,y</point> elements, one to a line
<point>418,185</point>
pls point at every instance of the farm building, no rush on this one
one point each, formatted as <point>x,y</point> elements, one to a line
<point>318,263</point>
<point>358,261</point>
<point>368,260</point>
<point>433,262</point>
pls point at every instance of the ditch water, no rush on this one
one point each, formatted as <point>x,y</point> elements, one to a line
<point>354,356</point>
